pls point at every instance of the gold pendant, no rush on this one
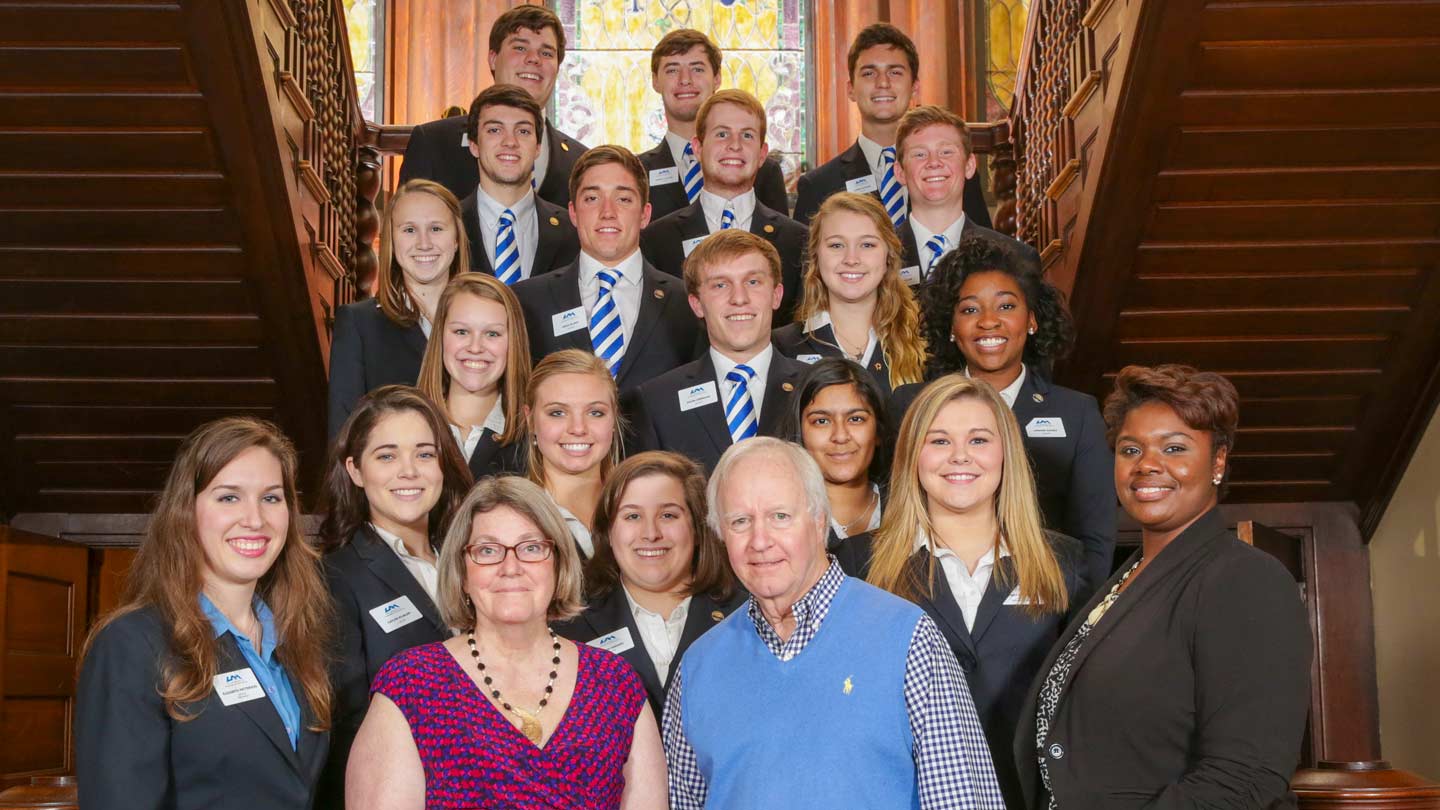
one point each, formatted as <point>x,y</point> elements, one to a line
<point>530,726</point>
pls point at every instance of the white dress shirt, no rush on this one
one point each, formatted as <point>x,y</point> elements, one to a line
<point>526,228</point>
<point>423,570</point>
<point>578,530</point>
<point>495,423</point>
<point>660,635</point>
<point>714,207</point>
<point>626,292</point>
<point>822,318</point>
<point>924,234</point>
<point>1011,391</point>
<point>874,517</point>
<point>967,588</point>
<point>875,160</point>
<point>760,364</point>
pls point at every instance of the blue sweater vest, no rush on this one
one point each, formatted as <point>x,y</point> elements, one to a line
<point>827,728</point>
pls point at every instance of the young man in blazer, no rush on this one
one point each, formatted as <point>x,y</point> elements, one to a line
<point>730,139</point>
<point>527,47</point>
<point>884,72</point>
<point>684,70</point>
<point>741,387</point>
<point>513,233</point>
<point>609,300</point>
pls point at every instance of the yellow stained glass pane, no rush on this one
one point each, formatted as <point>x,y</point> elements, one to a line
<point>1006,35</point>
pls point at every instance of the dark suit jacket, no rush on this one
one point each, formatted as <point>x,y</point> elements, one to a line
<point>666,331</point>
<point>1074,473</point>
<point>612,613</point>
<point>913,258</point>
<point>129,753</point>
<point>670,197</point>
<point>492,458</point>
<point>1191,692</point>
<point>793,341</point>
<point>365,574</point>
<point>369,350</point>
<point>661,425</point>
<point>819,183</point>
<point>663,244</point>
<point>435,153</point>
<point>558,243</point>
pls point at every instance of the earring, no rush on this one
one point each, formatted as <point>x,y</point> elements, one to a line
<point>468,603</point>
<point>1032,330</point>
<point>952,337</point>
<point>1218,479</point>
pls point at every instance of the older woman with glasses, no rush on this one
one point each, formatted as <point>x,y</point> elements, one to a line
<point>506,713</point>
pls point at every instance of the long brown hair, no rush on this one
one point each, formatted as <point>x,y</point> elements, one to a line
<point>572,361</point>
<point>897,313</point>
<point>344,504</point>
<point>167,575</point>
<point>395,302</point>
<point>1017,508</point>
<point>434,380</point>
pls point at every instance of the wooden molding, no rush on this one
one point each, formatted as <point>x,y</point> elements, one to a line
<point>284,12</point>
<point>1082,94</point>
<point>327,259</point>
<point>1098,10</point>
<point>1051,252</point>
<point>312,181</point>
<point>296,94</point>
<point>1062,181</point>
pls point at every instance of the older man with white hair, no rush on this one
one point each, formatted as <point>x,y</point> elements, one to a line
<point>825,692</point>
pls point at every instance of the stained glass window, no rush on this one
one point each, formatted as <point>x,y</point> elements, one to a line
<point>361,20</point>
<point>603,93</point>
<point>1005,36</point>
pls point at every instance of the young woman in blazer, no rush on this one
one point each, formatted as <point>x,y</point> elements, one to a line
<point>208,688</point>
<point>989,313</point>
<point>393,479</point>
<point>477,372</point>
<point>381,340</point>
<point>659,578</point>
<point>962,538</point>
<point>854,304</point>
<point>572,413</point>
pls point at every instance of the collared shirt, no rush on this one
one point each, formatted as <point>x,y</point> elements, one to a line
<point>526,228</point>
<point>1011,391</point>
<point>421,569</point>
<point>952,759</point>
<point>495,423</point>
<point>626,291</point>
<point>822,318</point>
<point>874,517</point>
<point>923,234</point>
<point>714,207</point>
<point>760,364</point>
<point>577,530</point>
<point>660,634</point>
<point>677,144</point>
<point>874,159</point>
<point>264,664</point>
<point>967,588</point>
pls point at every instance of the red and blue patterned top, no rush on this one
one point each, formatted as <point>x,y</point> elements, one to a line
<point>474,757</point>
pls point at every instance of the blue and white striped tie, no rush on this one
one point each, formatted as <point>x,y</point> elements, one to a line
<point>507,252</point>
<point>891,195</point>
<point>694,181</point>
<point>727,218</point>
<point>740,408</point>
<point>936,246</point>
<point>606,335</point>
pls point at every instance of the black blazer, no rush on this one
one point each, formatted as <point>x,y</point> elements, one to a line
<point>663,244</point>
<point>1191,692</point>
<point>364,574</point>
<point>492,458</point>
<point>369,350</point>
<point>971,229</point>
<point>130,754</point>
<point>557,244</point>
<point>661,425</point>
<point>666,331</point>
<point>1074,473</point>
<point>667,198</point>
<point>819,183</point>
<point>435,153</point>
<point>794,342</point>
<point>612,613</point>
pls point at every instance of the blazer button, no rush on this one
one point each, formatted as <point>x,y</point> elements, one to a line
<point>1057,751</point>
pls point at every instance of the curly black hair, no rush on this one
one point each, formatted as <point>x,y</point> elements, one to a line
<point>1055,329</point>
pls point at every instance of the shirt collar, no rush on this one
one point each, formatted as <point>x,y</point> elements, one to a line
<point>760,363</point>
<point>872,154</point>
<point>677,144</point>
<point>809,610</point>
<point>490,209</point>
<point>714,205</point>
<point>638,609</point>
<point>495,421</point>
<point>222,625</point>
<point>822,318</point>
<point>951,233</point>
<point>922,540</point>
<point>631,268</point>
<point>1011,391</point>
<point>393,541</point>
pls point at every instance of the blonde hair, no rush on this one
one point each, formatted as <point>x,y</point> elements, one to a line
<point>1017,508</point>
<point>572,361</point>
<point>738,98</point>
<point>390,290</point>
<point>727,246</point>
<point>897,313</point>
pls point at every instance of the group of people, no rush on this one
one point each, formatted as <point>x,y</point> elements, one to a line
<point>642,493</point>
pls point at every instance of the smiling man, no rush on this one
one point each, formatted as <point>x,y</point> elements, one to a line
<point>741,387</point>
<point>730,140</point>
<point>527,47</point>
<point>824,691</point>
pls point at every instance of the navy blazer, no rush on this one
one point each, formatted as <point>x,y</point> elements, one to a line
<point>819,183</point>
<point>1191,692</point>
<point>970,229</point>
<point>369,350</point>
<point>667,198</point>
<point>363,575</point>
<point>612,613</point>
<point>1074,473</point>
<point>557,244</point>
<point>794,342</point>
<point>435,152</point>
<point>666,332</point>
<point>130,754</point>
<point>493,458</point>
<point>661,425</point>
<point>663,244</point>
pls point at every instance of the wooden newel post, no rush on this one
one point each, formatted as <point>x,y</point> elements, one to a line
<point>367,219</point>
<point>1371,785</point>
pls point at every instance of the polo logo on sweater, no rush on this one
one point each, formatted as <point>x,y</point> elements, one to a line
<point>392,616</point>
<point>1045,427</point>
<point>849,685</point>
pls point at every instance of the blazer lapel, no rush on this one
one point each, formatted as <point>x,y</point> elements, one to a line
<point>760,220</point>
<point>547,232</point>
<point>910,250</point>
<point>260,710</point>
<point>655,291</point>
<point>782,381</point>
<point>943,603</point>
<point>994,597</point>
<point>470,215</point>
<point>415,338</point>
<point>853,162</point>
<point>614,614</point>
<point>712,415</point>
<point>675,192</point>
<point>565,296</point>
<point>691,222</point>
<point>383,563</point>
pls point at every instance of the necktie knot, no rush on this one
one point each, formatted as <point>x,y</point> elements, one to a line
<point>936,246</point>
<point>727,217</point>
<point>507,217</point>
<point>608,278</point>
<point>887,155</point>
<point>741,374</point>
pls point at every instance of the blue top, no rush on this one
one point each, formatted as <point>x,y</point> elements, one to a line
<point>267,668</point>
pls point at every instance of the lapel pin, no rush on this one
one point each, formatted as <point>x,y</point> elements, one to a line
<point>555,221</point>
<point>786,387</point>
<point>716,615</point>
<point>769,229</point>
<point>659,295</point>
<point>565,146</point>
<point>1038,397</point>
<point>879,366</point>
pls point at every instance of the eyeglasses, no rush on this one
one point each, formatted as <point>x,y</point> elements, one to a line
<point>530,551</point>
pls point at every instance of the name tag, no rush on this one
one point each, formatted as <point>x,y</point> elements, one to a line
<point>616,642</point>
<point>239,686</point>
<point>1016,599</point>
<point>689,244</point>
<point>810,359</point>
<point>697,395</point>
<point>862,185</point>
<point>664,177</point>
<point>910,275</point>
<point>1045,427</point>
<point>392,616</point>
<point>568,321</point>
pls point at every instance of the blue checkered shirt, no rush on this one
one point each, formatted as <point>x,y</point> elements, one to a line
<point>952,761</point>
